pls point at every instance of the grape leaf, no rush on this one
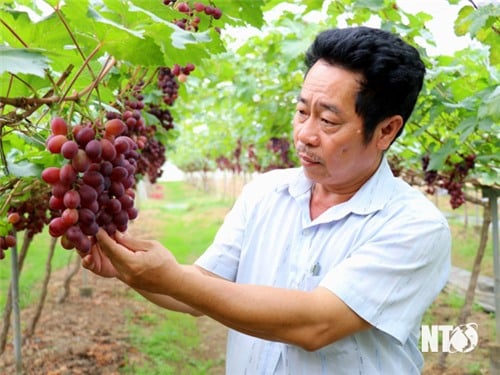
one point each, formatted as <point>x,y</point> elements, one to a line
<point>23,60</point>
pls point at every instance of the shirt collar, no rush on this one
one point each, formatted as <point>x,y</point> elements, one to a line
<point>371,197</point>
<point>376,192</point>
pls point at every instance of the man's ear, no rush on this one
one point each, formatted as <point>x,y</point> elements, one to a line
<point>387,131</point>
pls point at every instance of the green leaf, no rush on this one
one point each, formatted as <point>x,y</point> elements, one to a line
<point>23,60</point>
<point>466,127</point>
<point>438,157</point>
<point>483,18</point>
<point>462,23</point>
<point>242,12</point>
<point>313,5</point>
<point>373,5</point>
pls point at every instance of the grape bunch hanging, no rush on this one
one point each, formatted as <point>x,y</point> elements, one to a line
<point>6,242</point>
<point>453,182</point>
<point>191,19</point>
<point>94,188</point>
<point>27,215</point>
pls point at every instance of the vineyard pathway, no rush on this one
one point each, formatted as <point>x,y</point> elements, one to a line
<point>87,334</point>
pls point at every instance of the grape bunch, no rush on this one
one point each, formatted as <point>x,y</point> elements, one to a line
<point>6,242</point>
<point>28,214</point>
<point>280,146</point>
<point>453,182</point>
<point>191,21</point>
<point>163,115</point>
<point>169,78</point>
<point>430,176</point>
<point>151,157</point>
<point>94,188</point>
<point>33,214</point>
<point>253,160</point>
<point>456,180</point>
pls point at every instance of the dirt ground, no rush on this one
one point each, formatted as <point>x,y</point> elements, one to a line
<point>88,336</point>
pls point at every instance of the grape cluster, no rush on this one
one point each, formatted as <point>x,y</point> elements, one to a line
<point>95,187</point>
<point>6,242</point>
<point>33,214</point>
<point>224,163</point>
<point>430,176</point>
<point>453,182</point>
<point>280,146</point>
<point>152,152</point>
<point>253,159</point>
<point>169,78</point>
<point>152,159</point>
<point>29,215</point>
<point>163,115</point>
<point>191,21</point>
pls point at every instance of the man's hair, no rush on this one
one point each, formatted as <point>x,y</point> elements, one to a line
<point>392,71</point>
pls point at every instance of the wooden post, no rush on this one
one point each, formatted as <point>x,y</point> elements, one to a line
<point>492,193</point>
<point>15,307</point>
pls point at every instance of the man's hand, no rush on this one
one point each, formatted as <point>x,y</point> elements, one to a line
<point>141,264</point>
<point>98,262</point>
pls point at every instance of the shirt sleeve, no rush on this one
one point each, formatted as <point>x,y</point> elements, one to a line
<point>393,278</point>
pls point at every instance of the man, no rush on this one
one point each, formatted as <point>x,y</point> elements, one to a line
<point>327,268</point>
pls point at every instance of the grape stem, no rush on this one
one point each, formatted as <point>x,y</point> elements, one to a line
<point>13,32</point>
<point>71,35</point>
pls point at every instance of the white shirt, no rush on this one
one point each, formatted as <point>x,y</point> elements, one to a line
<point>385,253</point>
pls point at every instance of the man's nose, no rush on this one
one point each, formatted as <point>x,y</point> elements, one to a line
<point>307,132</point>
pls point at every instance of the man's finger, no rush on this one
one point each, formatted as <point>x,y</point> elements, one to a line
<point>112,249</point>
<point>132,243</point>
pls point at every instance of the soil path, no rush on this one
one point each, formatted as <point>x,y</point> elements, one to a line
<point>89,335</point>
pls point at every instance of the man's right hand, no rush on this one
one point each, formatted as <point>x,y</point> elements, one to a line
<point>97,262</point>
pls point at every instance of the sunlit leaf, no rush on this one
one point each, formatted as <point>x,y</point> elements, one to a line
<point>23,60</point>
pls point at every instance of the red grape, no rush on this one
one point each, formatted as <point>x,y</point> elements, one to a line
<point>58,126</point>
<point>59,189</point>
<point>50,175</point>
<point>55,143</point>
<point>10,240</point>
<point>93,178</point>
<point>87,195</point>
<point>115,127</point>
<point>86,216</point>
<point>108,149</point>
<point>69,216</point>
<point>13,217</point>
<point>57,227</point>
<point>67,174</point>
<point>72,199</point>
<point>69,149</point>
<point>93,149</point>
<point>81,161</point>
<point>84,136</point>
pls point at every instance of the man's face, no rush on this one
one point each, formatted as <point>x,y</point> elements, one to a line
<point>328,133</point>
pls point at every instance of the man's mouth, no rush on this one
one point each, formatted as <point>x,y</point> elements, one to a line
<point>308,158</point>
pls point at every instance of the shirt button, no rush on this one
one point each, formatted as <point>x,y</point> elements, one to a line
<point>306,232</point>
